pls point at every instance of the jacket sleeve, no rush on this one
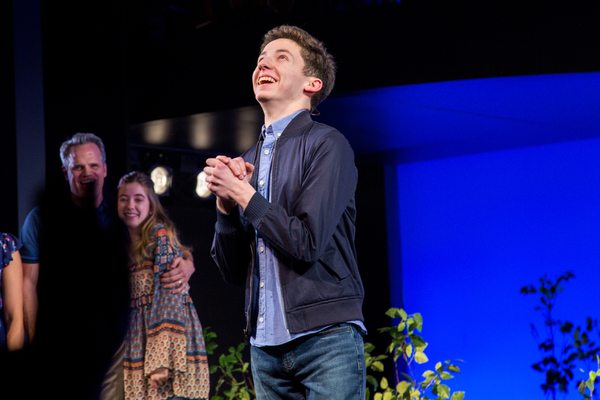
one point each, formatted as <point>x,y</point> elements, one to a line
<point>303,230</point>
<point>166,342</point>
<point>231,248</point>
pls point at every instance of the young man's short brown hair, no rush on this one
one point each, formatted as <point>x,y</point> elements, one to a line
<point>318,62</point>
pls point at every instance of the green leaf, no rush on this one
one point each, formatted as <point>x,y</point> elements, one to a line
<point>420,357</point>
<point>537,367</point>
<point>453,368</point>
<point>528,289</point>
<point>403,314</point>
<point>408,377</point>
<point>443,391</point>
<point>390,348</point>
<point>371,379</point>
<point>377,366</point>
<point>581,387</point>
<point>428,373</point>
<point>378,396</point>
<point>566,327</point>
<point>369,347</point>
<point>222,361</point>
<point>206,332</point>
<point>445,376</point>
<point>213,368</point>
<point>402,387</point>
<point>384,383</point>
<point>387,396</point>
<point>438,367</point>
<point>458,396</point>
<point>408,351</point>
<point>418,342</point>
<point>210,347</point>
<point>395,312</point>
<point>419,320</point>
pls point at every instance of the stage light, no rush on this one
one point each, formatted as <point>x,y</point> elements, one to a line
<point>162,178</point>
<point>201,188</point>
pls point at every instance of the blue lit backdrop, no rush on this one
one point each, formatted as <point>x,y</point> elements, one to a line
<point>474,230</point>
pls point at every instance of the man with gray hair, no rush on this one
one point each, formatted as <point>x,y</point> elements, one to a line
<point>80,245</point>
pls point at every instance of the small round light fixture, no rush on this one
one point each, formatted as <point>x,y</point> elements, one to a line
<point>162,178</point>
<point>201,186</point>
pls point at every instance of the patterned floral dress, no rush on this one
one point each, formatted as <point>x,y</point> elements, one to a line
<point>164,332</point>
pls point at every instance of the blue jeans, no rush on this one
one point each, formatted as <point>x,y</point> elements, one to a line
<point>327,365</point>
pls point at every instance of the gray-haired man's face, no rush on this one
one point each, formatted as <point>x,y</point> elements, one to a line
<point>85,172</point>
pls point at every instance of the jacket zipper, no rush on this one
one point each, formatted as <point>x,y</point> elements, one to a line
<point>252,260</point>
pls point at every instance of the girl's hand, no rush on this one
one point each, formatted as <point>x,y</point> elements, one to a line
<point>159,377</point>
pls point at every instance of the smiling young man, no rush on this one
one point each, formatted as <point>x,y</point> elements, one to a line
<point>286,227</point>
<point>77,242</point>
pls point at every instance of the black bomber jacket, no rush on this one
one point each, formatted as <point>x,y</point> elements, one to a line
<point>310,224</point>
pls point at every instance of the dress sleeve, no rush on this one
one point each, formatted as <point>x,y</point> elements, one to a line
<point>166,341</point>
<point>8,245</point>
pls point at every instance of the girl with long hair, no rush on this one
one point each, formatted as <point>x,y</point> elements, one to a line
<point>165,355</point>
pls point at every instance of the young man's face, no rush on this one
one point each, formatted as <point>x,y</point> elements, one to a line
<point>278,76</point>
<point>85,172</point>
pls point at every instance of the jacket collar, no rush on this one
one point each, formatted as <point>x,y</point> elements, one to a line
<point>298,122</point>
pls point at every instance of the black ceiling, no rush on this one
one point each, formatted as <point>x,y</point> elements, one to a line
<point>177,58</point>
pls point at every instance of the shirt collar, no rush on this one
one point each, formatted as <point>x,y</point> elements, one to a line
<point>277,127</point>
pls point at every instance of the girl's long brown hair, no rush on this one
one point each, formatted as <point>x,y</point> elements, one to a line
<point>141,248</point>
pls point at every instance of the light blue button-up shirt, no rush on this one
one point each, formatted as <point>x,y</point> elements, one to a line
<point>271,327</point>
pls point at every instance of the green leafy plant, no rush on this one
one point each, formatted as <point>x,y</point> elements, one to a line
<point>408,345</point>
<point>560,357</point>
<point>234,372</point>
<point>589,384</point>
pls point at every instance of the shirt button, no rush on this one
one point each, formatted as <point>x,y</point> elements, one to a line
<point>261,319</point>
<point>267,151</point>
<point>279,134</point>
<point>261,183</point>
<point>262,249</point>
<point>262,284</point>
